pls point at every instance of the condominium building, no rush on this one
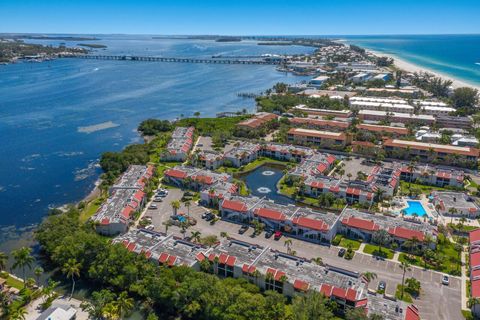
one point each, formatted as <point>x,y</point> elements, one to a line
<point>267,268</point>
<point>405,118</point>
<point>455,204</point>
<point>322,139</point>
<point>436,153</point>
<point>126,197</point>
<point>180,144</point>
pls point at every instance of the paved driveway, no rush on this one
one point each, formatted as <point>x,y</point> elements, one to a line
<point>436,301</point>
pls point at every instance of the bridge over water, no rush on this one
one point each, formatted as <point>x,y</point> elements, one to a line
<point>264,61</point>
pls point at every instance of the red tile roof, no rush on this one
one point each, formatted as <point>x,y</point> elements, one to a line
<point>176,174</point>
<point>360,224</point>
<point>466,151</point>
<point>339,292</point>
<point>203,179</point>
<point>131,247</point>
<point>105,221</point>
<point>326,289</point>
<point>320,123</point>
<point>320,134</point>
<point>475,284</point>
<point>231,261</point>
<point>405,233</point>
<point>200,257</point>
<point>279,275</point>
<point>474,259</point>
<point>301,285</point>
<point>321,167</point>
<point>309,223</point>
<point>163,257</point>
<point>234,205</point>
<point>376,128</point>
<point>317,184</point>
<point>412,313</point>
<point>127,211</point>
<point>351,295</point>
<point>270,214</point>
<point>474,236</point>
<point>353,191</point>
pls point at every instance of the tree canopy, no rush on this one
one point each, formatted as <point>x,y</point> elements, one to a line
<point>178,292</point>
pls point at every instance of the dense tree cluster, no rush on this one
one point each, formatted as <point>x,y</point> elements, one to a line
<point>435,85</point>
<point>384,61</point>
<point>151,127</point>
<point>465,100</point>
<point>115,163</point>
<point>18,49</point>
<point>281,103</point>
<point>177,292</point>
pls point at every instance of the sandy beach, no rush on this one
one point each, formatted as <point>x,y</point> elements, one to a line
<point>410,67</point>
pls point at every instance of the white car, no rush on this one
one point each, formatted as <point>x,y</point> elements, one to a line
<point>153,206</point>
<point>445,280</point>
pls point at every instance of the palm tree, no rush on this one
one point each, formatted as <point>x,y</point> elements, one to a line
<point>3,261</point>
<point>411,169</point>
<point>23,259</point>
<point>405,266</point>
<point>452,212</point>
<point>38,271</point>
<point>175,206</point>
<point>379,194</point>
<point>110,311</point>
<point>124,304</point>
<point>187,205</point>
<point>18,314</point>
<point>196,236</point>
<point>72,269</point>
<point>287,244</point>
<point>349,176</point>
<point>318,260</point>
<point>223,234</point>
<point>369,275</point>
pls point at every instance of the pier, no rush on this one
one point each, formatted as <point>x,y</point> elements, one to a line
<point>177,60</point>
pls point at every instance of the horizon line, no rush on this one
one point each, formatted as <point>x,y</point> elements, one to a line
<point>240,35</point>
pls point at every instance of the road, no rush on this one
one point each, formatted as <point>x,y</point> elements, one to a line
<point>437,301</point>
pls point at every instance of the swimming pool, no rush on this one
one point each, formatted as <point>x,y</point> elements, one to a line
<point>415,207</point>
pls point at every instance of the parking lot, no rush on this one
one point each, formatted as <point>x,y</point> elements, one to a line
<point>437,301</point>
<point>356,164</point>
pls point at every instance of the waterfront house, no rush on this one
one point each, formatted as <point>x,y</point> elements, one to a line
<point>317,138</point>
<point>179,145</point>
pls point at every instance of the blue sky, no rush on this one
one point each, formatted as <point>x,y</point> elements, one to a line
<point>246,17</point>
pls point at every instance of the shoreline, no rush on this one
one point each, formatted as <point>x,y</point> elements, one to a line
<point>412,67</point>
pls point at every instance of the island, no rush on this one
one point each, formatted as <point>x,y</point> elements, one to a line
<point>13,50</point>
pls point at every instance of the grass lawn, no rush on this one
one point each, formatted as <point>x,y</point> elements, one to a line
<point>450,263</point>
<point>284,189</point>
<point>12,282</point>
<point>260,162</point>
<point>467,314</point>
<point>354,243</point>
<point>90,209</point>
<point>406,296</point>
<point>404,187</point>
<point>374,250</point>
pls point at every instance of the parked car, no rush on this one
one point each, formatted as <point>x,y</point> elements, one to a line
<point>381,286</point>
<point>268,234</point>
<point>243,229</point>
<point>153,206</point>
<point>445,280</point>
<point>150,227</point>
<point>277,235</point>
<point>341,252</point>
<point>158,199</point>
<point>209,216</point>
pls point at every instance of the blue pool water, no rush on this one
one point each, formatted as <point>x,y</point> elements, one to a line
<point>415,207</point>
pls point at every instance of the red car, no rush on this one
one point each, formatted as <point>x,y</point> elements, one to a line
<point>277,235</point>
